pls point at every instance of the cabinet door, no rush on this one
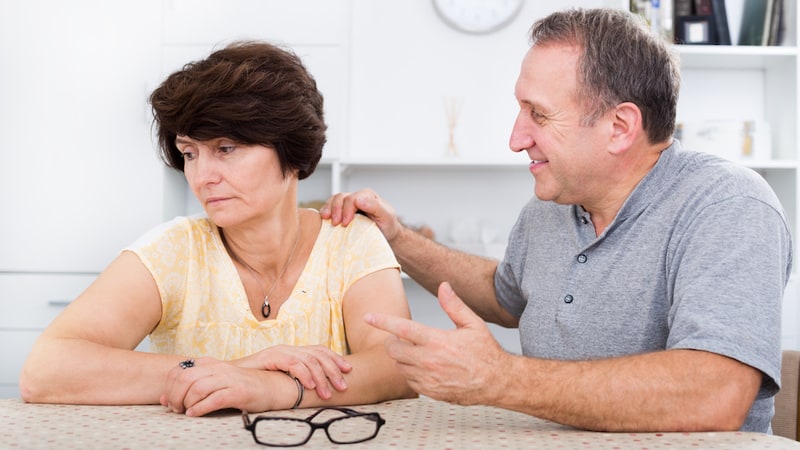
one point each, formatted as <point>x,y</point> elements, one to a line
<point>28,303</point>
<point>14,348</point>
<point>78,174</point>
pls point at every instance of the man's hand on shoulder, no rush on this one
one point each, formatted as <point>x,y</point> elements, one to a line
<point>341,209</point>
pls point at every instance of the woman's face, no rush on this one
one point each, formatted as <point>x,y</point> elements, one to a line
<point>235,183</point>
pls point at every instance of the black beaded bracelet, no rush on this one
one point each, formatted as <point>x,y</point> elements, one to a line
<point>300,390</point>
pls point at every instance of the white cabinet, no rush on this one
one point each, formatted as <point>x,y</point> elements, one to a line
<point>28,303</point>
<point>78,174</point>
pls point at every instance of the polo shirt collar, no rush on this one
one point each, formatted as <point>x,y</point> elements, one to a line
<point>644,193</point>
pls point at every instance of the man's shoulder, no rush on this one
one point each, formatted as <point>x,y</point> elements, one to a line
<point>712,177</point>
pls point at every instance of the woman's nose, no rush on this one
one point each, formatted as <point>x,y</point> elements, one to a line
<point>204,168</point>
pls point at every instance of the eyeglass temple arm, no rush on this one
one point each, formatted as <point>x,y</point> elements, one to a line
<point>348,411</point>
<point>246,420</point>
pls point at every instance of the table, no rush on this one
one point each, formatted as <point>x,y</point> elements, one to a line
<point>410,424</point>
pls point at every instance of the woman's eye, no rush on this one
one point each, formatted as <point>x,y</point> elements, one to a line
<point>187,156</point>
<point>225,149</point>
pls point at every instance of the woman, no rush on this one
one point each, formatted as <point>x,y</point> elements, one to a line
<point>257,290</point>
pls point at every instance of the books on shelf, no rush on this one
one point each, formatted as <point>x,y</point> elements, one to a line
<point>720,15</point>
<point>658,14</point>
<point>721,22</point>
<point>701,22</point>
<point>764,22</point>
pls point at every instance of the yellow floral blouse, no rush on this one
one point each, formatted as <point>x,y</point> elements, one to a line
<point>205,311</point>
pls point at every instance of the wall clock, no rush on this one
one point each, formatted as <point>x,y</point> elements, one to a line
<point>477,16</point>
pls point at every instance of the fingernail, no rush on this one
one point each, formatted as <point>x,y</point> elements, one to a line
<point>448,288</point>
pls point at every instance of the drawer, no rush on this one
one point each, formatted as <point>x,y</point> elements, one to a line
<point>31,301</point>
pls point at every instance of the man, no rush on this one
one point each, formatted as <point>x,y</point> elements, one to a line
<point>646,280</point>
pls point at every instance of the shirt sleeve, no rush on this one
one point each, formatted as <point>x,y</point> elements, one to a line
<point>362,250</point>
<point>508,276</point>
<point>729,273</point>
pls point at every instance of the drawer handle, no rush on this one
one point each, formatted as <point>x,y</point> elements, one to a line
<point>58,303</point>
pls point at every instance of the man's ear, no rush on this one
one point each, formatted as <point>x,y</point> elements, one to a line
<point>627,126</point>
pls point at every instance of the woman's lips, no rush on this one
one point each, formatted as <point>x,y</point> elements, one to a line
<point>211,201</point>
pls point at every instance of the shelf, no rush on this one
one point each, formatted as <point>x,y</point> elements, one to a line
<point>454,162</point>
<point>774,164</point>
<point>734,56</point>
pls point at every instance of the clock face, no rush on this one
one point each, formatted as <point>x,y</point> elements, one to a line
<point>477,16</point>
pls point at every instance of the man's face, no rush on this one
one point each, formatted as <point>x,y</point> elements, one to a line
<point>566,157</point>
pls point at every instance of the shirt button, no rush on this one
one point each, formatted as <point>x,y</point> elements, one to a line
<point>568,298</point>
<point>582,258</point>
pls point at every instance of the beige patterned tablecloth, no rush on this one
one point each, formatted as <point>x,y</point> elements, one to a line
<point>410,424</point>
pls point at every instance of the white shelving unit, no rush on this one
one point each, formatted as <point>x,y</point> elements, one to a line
<point>713,77</point>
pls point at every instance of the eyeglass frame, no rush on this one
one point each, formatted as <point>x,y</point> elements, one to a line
<point>250,425</point>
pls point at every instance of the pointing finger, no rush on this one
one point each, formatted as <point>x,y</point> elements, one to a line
<point>405,329</point>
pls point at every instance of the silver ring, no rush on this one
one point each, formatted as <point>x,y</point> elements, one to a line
<point>186,364</point>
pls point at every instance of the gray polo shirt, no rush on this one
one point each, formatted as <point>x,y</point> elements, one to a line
<point>697,257</point>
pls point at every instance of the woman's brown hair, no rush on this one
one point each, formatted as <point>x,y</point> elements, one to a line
<point>254,93</point>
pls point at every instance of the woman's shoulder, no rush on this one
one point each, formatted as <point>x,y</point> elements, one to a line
<point>361,227</point>
<point>178,229</point>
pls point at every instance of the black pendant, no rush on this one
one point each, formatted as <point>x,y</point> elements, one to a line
<point>266,309</point>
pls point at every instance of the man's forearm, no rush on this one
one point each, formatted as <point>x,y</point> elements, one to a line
<point>471,276</point>
<point>675,390</point>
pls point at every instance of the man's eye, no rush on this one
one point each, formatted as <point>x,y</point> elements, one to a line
<point>538,117</point>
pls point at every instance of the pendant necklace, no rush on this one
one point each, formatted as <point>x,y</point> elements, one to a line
<point>266,308</point>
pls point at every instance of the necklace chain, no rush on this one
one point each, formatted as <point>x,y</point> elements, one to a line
<point>266,308</point>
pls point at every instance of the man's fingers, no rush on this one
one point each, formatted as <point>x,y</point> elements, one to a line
<point>405,329</point>
<point>341,208</point>
<point>461,315</point>
<point>332,209</point>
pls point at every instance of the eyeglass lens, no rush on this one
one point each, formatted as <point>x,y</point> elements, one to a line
<point>288,432</point>
<point>276,431</point>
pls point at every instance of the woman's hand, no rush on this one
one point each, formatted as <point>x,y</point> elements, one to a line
<point>317,367</point>
<point>211,385</point>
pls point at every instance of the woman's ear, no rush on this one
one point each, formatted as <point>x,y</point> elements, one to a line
<point>627,127</point>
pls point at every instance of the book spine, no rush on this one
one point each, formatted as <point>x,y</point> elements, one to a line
<point>703,7</point>
<point>683,7</point>
<point>721,22</point>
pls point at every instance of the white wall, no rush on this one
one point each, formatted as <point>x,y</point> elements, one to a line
<point>405,61</point>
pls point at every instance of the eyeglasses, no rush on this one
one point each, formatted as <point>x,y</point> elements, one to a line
<point>350,428</point>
